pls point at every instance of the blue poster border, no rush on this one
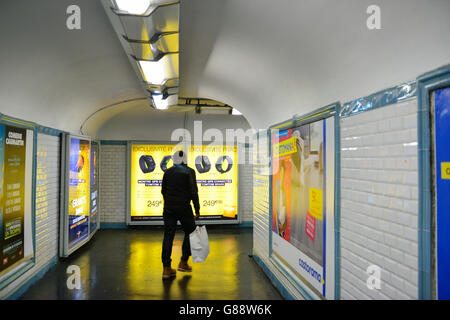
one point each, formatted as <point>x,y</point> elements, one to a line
<point>426,84</point>
<point>330,110</point>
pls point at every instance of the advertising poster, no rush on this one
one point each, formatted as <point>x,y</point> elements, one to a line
<point>93,220</point>
<point>12,194</point>
<point>298,201</point>
<point>442,181</point>
<point>79,185</point>
<point>216,174</point>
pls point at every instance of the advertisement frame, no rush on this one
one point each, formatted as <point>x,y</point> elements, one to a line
<point>426,84</point>
<point>129,222</point>
<point>91,234</point>
<point>27,263</point>
<point>331,110</point>
<point>64,250</point>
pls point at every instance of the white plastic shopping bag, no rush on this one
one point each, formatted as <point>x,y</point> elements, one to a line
<point>199,244</point>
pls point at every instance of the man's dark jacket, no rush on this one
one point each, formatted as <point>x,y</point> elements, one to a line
<point>179,187</point>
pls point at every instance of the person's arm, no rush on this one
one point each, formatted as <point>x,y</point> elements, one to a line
<point>194,193</point>
<point>164,185</point>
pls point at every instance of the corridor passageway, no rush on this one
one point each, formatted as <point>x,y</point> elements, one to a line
<point>126,264</point>
<point>316,132</point>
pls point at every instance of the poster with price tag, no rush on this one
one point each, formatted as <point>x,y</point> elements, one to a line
<point>217,187</point>
<point>216,174</point>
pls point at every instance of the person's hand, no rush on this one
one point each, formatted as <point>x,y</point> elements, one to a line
<point>197,215</point>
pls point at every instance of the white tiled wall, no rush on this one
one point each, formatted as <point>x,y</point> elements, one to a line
<point>379,202</point>
<point>113,185</point>
<point>261,201</point>
<point>47,208</point>
<point>245,195</point>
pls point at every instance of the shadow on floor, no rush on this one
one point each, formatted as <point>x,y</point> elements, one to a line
<point>126,264</point>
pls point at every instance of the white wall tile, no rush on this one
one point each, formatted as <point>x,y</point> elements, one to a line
<point>379,208</point>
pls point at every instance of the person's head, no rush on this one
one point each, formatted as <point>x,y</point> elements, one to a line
<point>179,157</point>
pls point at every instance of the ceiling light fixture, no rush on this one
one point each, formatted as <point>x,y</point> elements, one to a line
<point>133,6</point>
<point>162,103</point>
<point>157,72</point>
<point>236,112</point>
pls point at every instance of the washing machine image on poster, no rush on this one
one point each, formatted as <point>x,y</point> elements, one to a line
<point>298,202</point>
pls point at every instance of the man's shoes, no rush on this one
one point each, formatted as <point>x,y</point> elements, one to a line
<point>168,272</point>
<point>184,267</point>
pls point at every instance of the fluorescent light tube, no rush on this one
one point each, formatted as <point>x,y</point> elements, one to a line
<point>156,72</point>
<point>236,112</point>
<point>133,6</point>
<point>163,104</point>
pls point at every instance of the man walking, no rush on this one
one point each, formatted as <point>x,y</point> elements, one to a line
<point>179,188</point>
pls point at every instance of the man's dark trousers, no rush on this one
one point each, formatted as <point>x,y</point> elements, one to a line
<point>171,215</point>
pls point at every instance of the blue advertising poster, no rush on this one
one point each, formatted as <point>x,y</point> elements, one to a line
<point>79,185</point>
<point>442,135</point>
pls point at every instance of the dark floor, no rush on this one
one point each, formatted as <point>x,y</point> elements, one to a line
<point>126,264</point>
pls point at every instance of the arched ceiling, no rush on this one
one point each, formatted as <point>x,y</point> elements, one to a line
<point>273,59</point>
<point>134,120</point>
<point>55,76</point>
<point>269,59</point>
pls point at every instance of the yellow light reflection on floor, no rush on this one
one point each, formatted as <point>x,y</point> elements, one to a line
<point>88,279</point>
<point>216,277</point>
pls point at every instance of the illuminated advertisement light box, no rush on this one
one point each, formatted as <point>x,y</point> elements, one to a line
<point>303,203</point>
<point>216,174</point>
<point>80,218</point>
<point>79,186</point>
<point>16,154</point>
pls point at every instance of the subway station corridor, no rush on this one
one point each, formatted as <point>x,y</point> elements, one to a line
<point>309,137</point>
<point>126,265</point>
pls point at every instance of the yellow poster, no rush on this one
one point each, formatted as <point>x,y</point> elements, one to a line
<point>216,173</point>
<point>217,187</point>
<point>79,185</point>
<point>316,203</point>
<point>286,147</point>
<point>445,170</point>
